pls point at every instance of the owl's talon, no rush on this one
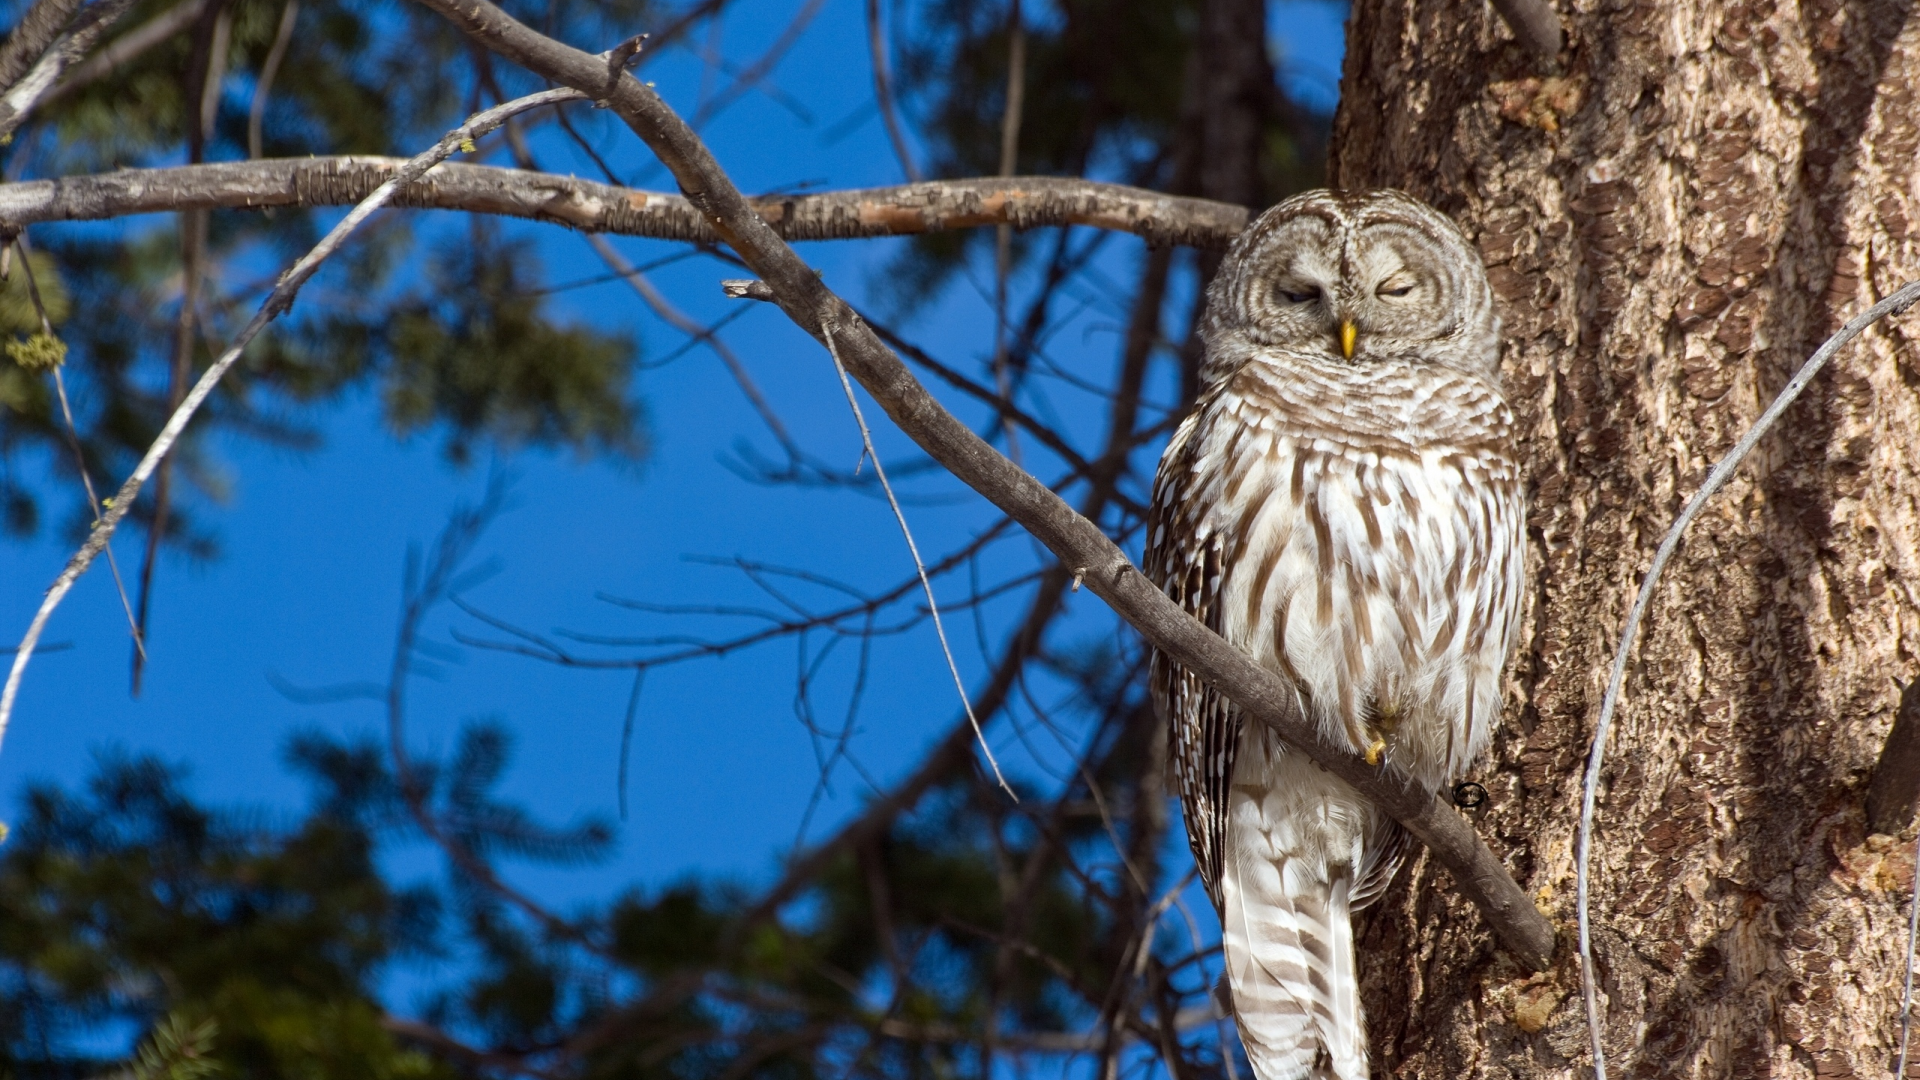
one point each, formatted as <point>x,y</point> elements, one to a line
<point>1376,751</point>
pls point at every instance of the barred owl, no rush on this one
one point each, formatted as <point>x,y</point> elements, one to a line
<point>1343,504</point>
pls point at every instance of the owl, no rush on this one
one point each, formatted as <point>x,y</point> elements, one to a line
<point>1344,504</point>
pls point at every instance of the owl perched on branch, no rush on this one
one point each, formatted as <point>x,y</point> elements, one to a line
<point>1344,504</point>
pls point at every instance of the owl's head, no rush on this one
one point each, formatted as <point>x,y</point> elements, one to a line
<point>1373,277</point>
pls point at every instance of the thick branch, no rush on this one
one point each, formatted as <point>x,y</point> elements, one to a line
<point>1022,202</point>
<point>1080,544</point>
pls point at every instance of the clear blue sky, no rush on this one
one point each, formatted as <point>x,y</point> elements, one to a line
<point>307,585</point>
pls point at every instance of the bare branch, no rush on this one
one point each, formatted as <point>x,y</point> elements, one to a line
<point>883,91</point>
<point>1079,543</point>
<point>652,297</point>
<point>1008,411</point>
<point>276,303</point>
<point>1010,116</point>
<point>1022,202</point>
<point>1629,634</point>
<point>684,323</point>
<point>436,583</point>
<point>953,751</point>
<point>757,72</point>
<point>282,37</point>
<point>73,437</point>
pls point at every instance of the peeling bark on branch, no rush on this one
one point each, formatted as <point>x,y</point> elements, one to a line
<point>1022,202</point>
<point>1078,542</point>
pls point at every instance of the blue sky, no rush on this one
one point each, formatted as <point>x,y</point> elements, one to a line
<point>307,587</point>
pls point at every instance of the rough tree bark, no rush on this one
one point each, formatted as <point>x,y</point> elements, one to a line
<point>1709,190</point>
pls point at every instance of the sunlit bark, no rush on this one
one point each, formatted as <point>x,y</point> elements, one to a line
<point>1673,225</point>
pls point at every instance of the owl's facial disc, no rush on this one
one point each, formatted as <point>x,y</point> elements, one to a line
<point>1353,278</point>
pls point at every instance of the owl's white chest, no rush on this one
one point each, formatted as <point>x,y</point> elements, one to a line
<point>1380,574</point>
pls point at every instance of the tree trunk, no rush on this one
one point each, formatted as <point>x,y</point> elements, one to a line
<point>1672,227</point>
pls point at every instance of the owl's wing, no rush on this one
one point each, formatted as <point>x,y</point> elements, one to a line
<point>1380,859</point>
<point>1203,727</point>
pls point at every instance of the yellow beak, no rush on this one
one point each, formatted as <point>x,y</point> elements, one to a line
<point>1347,333</point>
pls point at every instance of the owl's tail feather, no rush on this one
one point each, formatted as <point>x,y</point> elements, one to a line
<point>1289,958</point>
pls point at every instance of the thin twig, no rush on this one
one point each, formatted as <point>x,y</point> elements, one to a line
<point>540,647</point>
<point>1898,302</point>
<point>760,68</point>
<point>680,321</point>
<point>710,62</point>
<point>276,303</point>
<point>424,589</point>
<point>653,298</point>
<point>926,585</point>
<point>587,148</point>
<point>282,37</point>
<point>626,734</point>
<point>73,438</point>
<point>216,73</point>
<point>1010,117</point>
<point>883,92</point>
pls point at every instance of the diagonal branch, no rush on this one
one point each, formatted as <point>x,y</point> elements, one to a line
<point>1081,546</point>
<point>883,91</point>
<point>1022,202</point>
